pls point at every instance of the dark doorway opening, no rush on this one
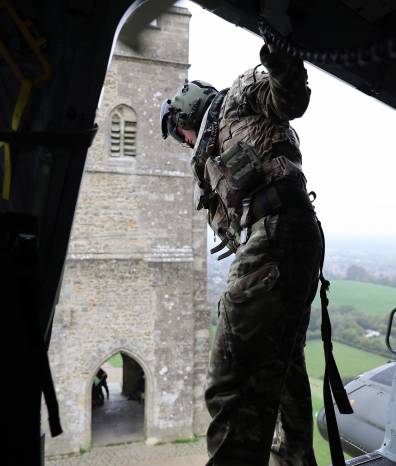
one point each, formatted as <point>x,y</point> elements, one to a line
<point>120,417</point>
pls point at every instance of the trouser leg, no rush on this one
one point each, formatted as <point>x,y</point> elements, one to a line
<point>261,312</point>
<point>296,432</point>
<point>223,392</point>
<point>244,393</point>
<point>106,387</point>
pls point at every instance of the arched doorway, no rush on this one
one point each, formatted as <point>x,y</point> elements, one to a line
<point>118,401</point>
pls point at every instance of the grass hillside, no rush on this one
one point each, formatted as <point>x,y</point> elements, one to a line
<point>351,362</point>
<point>365,297</point>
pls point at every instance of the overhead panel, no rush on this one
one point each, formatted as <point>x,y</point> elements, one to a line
<point>354,40</point>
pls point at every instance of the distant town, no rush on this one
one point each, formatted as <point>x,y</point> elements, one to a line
<point>362,272</point>
<point>371,260</point>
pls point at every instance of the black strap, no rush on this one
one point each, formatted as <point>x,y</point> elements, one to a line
<point>67,139</point>
<point>226,254</point>
<point>219,247</point>
<point>215,106</point>
<point>209,138</point>
<point>50,395</point>
<point>332,383</point>
<point>21,263</point>
<point>47,384</point>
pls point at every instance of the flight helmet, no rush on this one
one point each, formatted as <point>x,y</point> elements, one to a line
<point>186,109</point>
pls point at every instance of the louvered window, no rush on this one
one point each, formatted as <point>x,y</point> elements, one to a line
<point>123,132</point>
<point>130,138</point>
<point>115,135</point>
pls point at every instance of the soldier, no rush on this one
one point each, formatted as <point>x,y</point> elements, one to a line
<point>247,172</point>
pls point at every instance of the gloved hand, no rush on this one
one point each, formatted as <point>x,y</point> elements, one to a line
<point>265,52</point>
<point>272,57</point>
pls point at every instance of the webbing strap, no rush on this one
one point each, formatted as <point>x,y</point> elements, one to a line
<point>50,395</point>
<point>332,383</point>
<point>226,254</point>
<point>46,382</point>
<point>219,247</point>
<point>21,264</point>
<point>209,135</point>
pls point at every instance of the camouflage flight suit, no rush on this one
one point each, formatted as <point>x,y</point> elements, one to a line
<point>257,369</point>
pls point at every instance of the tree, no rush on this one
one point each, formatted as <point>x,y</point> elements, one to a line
<point>358,273</point>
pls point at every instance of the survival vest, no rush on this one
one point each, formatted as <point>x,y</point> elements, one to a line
<point>226,182</point>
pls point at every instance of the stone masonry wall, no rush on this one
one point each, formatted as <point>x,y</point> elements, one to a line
<point>135,276</point>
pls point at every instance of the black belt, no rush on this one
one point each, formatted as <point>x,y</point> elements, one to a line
<point>278,197</point>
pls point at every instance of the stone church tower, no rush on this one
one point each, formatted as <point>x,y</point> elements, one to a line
<point>135,276</point>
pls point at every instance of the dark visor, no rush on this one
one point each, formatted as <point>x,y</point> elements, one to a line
<point>168,117</point>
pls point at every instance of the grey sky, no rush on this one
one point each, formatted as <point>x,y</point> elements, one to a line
<point>347,138</point>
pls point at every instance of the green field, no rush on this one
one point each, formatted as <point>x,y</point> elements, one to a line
<point>351,362</point>
<point>365,297</point>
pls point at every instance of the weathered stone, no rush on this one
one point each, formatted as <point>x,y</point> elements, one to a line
<point>135,276</point>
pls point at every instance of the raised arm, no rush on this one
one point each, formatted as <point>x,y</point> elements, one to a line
<point>283,94</point>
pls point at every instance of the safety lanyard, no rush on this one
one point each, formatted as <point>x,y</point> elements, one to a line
<point>332,383</point>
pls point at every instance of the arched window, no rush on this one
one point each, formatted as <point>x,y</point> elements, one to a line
<point>123,132</point>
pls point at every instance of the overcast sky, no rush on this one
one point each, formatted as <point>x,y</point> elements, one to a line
<point>348,140</point>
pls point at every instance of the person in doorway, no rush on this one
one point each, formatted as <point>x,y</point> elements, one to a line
<point>97,394</point>
<point>102,376</point>
<point>248,175</point>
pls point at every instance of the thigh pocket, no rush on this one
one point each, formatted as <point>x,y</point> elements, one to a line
<point>254,283</point>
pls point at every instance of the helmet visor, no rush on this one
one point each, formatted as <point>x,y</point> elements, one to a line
<point>168,119</point>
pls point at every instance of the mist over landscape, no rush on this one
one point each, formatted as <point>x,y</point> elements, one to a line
<point>368,259</point>
<point>362,272</point>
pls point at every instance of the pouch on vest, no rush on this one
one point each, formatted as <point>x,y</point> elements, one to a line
<point>281,168</point>
<point>234,173</point>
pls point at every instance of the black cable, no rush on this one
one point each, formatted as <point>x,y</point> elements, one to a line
<point>374,53</point>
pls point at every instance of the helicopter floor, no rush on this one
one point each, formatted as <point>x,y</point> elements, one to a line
<point>371,459</point>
